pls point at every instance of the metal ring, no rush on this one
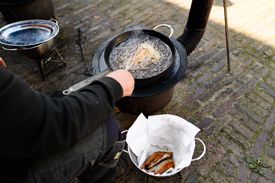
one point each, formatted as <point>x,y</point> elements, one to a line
<point>66,92</point>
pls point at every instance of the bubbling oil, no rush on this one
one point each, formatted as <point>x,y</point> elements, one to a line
<point>157,55</point>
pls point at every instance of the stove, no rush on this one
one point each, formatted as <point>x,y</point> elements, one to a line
<point>171,78</point>
<point>147,99</point>
<point>49,63</point>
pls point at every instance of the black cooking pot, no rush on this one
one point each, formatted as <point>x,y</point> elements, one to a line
<point>16,10</point>
<point>119,39</point>
<point>126,35</point>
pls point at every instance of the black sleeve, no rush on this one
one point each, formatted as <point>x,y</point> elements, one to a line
<point>33,124</point>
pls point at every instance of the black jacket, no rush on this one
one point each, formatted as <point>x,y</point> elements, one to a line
<point>34,125</point>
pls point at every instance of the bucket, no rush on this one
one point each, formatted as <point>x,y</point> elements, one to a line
<point>134,160</point>
<point>166,133</point>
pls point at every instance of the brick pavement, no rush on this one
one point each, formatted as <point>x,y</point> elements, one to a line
<point>234,110</point>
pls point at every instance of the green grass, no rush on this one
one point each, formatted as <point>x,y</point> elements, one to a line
<point>256,165</point>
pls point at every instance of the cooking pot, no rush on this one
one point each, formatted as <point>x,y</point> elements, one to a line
<point>17,10</point>
<point>126,35</point>
<point>34,38</point>
<point>119,39</point>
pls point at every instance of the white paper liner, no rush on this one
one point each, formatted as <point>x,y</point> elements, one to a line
<point>163,133</point>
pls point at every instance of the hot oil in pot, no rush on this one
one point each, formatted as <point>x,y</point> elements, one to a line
<point>149,56</point>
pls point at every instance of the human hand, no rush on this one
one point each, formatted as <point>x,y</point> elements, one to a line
<point>125,79</point>
<point>2,63</point>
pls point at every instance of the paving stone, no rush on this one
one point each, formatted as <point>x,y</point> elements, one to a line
<point>237,125</point>
<point>254,177</point>
<point>223,108</point>
<point>193,121</point>
<point>270,122</point>
<point>249,113</point>
<point>241,172</point>
<point>254,107</point>
<point>201,59</point>
<point>271,82</point>
<point>265,96</point>
<point>205,123</point>
<point>205,180</point>
<point>217,78</point>
<point>204,78</point>
<point>226,92</point>
<point>271,152</point>
<point>210,92</point>
<point>257,67</point>
<point>192,177</point>
<point>215,154</point>
<point>262,73</point>
<point>244,119</point>
<point>218,177</point>
<point>235,137</point>
<point>198,92</point>
<point>229,145</point>
<point>264,180</point>
<point>220,55</point>
<point>218,67</point>
<point>175,178</point>
<point>245,87</point>
<point>227,167</point>
<point>272,65</point>
<point>269,52</point>
<point>258,148</point>
<point>269,174</point>
<point>259,101</point>
<point>228,80</point>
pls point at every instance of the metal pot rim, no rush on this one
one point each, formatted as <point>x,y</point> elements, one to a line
<point>50,26</point>
<point>117,39</point>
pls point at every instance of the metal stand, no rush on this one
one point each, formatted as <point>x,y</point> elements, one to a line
<point>55,63</point>
<point>226,34</point>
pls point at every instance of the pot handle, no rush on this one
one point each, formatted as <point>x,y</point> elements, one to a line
<point>16,49</point>
<point>9,49</point>
<point>166,25</point>
<point>203,152</point>
<point>54,20</point>
<point>85,82</point>
<point>124,141</point>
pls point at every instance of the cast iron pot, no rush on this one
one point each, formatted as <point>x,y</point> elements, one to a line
<point>114,42</point>
<point>16,10</point>
<point>126,35</point>
<point>146,105</point>
<point>150,99</point>
<point>34,38</point>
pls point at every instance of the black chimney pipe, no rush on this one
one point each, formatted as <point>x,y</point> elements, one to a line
<point>195,27</point>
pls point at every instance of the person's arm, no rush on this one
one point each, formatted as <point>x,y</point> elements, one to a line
<point>33,124</point>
